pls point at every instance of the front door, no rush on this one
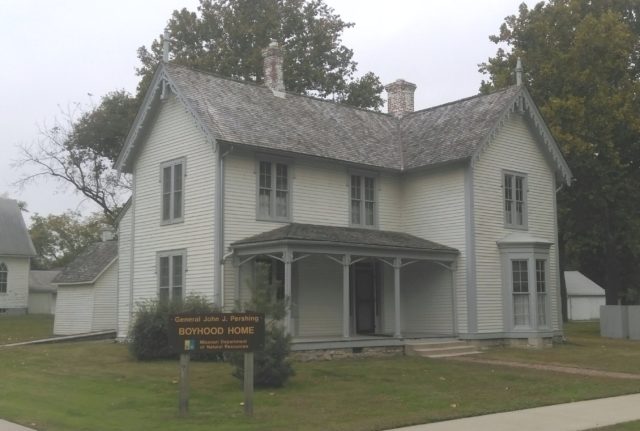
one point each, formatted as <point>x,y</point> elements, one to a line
<point>365,298</point>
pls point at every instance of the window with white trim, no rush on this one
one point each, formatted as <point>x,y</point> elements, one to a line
<point>172,174</point>
<point>520,292</point>
<point>541,291</point>
<point>363,201</point>
<point>273,191</point>
<point>4,277</point>
<point>171,276</point>
<point>515,205</point>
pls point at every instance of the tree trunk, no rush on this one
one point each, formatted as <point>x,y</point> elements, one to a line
<point>563,284</point>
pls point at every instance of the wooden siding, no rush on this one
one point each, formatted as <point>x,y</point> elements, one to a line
<point>175,135</point>
<point>124,274</point>
<point>42,303</point>
<point>426,299</point>
<point>74,309</point>
<point>318,297</point>
<point>17,293</point>
<point>433,208</point>
<point>515,149</point>
<point>104,300</point>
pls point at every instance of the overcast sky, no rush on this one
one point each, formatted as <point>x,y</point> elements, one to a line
<point>57,53</point>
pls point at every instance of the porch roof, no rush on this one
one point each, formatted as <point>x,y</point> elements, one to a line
<point>348,237</point>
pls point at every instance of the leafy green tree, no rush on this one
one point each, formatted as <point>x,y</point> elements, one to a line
<point>227,37</point>
<point>583,70</point>
<point>58,239</point>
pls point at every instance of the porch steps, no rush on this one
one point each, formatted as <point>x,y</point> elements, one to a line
<point>439,349</point>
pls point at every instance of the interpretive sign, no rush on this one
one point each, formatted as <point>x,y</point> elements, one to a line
<point>216,332</point>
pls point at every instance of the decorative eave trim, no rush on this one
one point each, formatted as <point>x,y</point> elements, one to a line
<point>338,247</point>
<point>522,102</point>
<point>157,90</point>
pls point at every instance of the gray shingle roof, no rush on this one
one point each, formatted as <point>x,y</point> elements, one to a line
<point>89,264</point>
<point>14,237</point>
<point>41,281</point>
<point>250,114</point>
<point>453,131</point>
<point>345,236</point>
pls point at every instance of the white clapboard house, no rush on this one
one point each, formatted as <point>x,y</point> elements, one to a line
<point>16,251</point>
<point>380,226</point>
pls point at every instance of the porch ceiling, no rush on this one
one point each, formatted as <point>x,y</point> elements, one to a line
<point>337,237</point>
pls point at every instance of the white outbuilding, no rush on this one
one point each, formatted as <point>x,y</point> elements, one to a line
<point>584,297</point>
<point>87,290</point>
<point>42,291</point>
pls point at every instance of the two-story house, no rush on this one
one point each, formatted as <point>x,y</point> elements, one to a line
<point>380,227</point>
<point>16,251</point>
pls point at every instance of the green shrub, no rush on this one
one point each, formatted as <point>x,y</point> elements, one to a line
<point>149,337</point>
<point>271,365</point>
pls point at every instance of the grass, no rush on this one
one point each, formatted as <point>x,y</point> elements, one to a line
<point>97,386</point>
<point>584,348</point>
<point>14,329</point>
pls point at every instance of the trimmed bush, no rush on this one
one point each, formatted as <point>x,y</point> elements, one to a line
<point>149,338</point>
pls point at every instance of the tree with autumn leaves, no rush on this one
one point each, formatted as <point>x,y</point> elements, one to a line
<point>582,68</point>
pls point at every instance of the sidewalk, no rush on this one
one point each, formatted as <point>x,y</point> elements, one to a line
<point>578,416</point>
<point>8,426</point>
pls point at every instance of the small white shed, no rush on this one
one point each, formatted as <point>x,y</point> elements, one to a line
<point>87,291</point>
<point>42,292</point>
<point>584,297</point>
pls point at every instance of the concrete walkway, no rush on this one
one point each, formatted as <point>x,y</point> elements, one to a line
<point>578,416</point>
<point>8,426</point>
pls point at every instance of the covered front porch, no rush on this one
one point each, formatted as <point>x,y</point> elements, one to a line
<point>350,287</point>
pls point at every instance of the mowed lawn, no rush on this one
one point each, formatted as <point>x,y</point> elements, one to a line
<point>15,329</point>
<point>584,348</point>
<point>97,386</point>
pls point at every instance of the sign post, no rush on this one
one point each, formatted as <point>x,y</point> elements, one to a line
<point>248,384</point>
<point>183,403</point>
<point>216,332</point>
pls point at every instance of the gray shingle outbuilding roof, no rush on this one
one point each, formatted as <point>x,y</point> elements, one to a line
<point>337,235</point>
<point>41,280</point>
<point>14,237</point>
<point>89,264</point>
<point>248,114</point>
<point>580,285</point>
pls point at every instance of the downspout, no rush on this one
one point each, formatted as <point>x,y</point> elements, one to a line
<point>218,296</point>
<point>133,247</point>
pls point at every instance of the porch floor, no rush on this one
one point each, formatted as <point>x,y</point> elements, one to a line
<point>361,340</point>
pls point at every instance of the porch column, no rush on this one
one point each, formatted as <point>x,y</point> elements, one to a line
<point>346,263</point>
<point>287,259</point>
<point>397,265</point>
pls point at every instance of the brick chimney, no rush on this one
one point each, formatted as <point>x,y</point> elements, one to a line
<point>273,76</point>
<point>400,99</point>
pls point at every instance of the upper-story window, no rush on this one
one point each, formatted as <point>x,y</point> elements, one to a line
<point>515,204</point>
<point>274,201</point>
<point>171,275</point>
<point>173,191</point>
<point>363,200</point>
<point>4,275</point>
